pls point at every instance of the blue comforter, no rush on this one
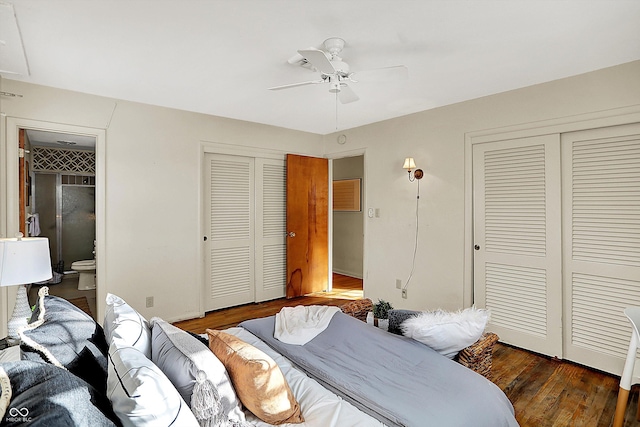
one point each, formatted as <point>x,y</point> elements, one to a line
<point>395,379</point>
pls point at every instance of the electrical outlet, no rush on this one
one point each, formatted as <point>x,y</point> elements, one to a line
<point>404,293</point>
<point>149,302</point>
<point>398,284</point>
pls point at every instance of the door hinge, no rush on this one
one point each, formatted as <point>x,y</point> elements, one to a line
<point>20,153</point>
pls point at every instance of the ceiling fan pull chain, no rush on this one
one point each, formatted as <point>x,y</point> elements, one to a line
<point>336,110</point>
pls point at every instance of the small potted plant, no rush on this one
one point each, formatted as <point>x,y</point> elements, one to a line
<point>381,314</point>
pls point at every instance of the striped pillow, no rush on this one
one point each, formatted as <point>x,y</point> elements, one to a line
<point>126,326</point>
<point>141,395</point>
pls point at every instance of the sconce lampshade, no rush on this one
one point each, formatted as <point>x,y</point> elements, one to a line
<point>409,163</point>
<point>24,260</point>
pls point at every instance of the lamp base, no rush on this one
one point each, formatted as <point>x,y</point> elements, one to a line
<point>21,314</point>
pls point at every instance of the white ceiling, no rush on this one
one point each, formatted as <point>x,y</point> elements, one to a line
<point>219,56</point>
<point>38,138</point>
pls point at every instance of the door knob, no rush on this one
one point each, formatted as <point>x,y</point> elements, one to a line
<point>292,234</point>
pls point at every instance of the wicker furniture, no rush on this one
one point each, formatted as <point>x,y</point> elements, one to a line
<point>477,357</point>
<point>358,308</point>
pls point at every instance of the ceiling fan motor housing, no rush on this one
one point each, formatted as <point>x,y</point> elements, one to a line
<point>342,68</point>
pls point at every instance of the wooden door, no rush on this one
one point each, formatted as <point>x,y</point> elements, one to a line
<point>307,225</point>
<point>517,237</point>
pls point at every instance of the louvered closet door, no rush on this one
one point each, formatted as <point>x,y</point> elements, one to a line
<point>517,261</point>
<point>271,268</point>
<point>230,253</point>
<point>601,184</point>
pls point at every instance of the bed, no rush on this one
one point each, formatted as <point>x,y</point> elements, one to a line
<point>136,372</point>
<point>394,379</point>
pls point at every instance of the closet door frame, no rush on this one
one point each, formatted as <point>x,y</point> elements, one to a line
<point>242,150</point>
<point>518,274</point>
<point>597,258</point>
<point>600,119</point>
<point>232,245</point>
<point>270,229</point>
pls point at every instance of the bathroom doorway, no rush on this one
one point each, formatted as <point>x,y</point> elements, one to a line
<point>13,214</point>
<point>62,207</point>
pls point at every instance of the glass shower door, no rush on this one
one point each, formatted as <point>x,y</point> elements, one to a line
<point>78,223</point>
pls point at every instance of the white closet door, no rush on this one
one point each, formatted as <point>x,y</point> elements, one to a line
<point>601,206</point>
<point>271,258</point>
<point>517,236</point>
<point>230,253</point>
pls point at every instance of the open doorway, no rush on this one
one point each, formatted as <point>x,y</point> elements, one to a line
<point>348,228</point>
<point>61,206</point>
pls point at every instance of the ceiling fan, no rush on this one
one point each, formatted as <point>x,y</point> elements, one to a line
<point>334,71</point>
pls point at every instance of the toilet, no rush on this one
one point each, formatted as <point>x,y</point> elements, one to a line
<point>86,274</point>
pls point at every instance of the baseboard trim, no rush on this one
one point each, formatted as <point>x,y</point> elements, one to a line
<point>347,273</point>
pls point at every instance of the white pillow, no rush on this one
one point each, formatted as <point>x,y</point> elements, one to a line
<point>126,326</point>
<point>141,395</point>
<point>447,332</point>
<point>188,362</point>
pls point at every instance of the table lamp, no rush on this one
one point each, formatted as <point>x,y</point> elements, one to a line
<point>23,260</point>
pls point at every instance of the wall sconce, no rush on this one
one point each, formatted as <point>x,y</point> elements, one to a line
<point>409,164</point>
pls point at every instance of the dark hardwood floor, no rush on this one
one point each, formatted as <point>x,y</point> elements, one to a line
<point>544,392</point>
<point>344,290</point>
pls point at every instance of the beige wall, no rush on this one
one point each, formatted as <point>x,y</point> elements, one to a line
<point>348,233</point>
<point>436,139</point>
<point>153,155</point>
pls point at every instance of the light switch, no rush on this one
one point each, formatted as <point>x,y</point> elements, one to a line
<point>377,212</point>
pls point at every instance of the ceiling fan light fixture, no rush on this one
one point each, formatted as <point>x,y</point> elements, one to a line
<point>334,45</point>
<point>335,87</point>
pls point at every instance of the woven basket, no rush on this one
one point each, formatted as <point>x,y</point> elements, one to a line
<point>358,308</point>
<point>477,357</point>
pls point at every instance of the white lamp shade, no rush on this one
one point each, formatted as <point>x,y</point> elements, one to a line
<point>24,261</point>
<point>409,163</point>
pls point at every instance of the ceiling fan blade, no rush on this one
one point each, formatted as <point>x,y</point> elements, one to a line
<point>346,94</point>
<point>312,82</point>
<point>297,57</point>
<point>397,72</point>
<point>318,59</point>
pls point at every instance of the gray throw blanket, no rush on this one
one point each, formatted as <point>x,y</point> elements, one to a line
<point>395,379</point>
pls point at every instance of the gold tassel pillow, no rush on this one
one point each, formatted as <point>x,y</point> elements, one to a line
<point>257,379</point>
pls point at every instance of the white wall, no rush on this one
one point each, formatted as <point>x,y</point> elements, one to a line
<point>153,159</point>
<point>153,190</point>
<point>436,139</point>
